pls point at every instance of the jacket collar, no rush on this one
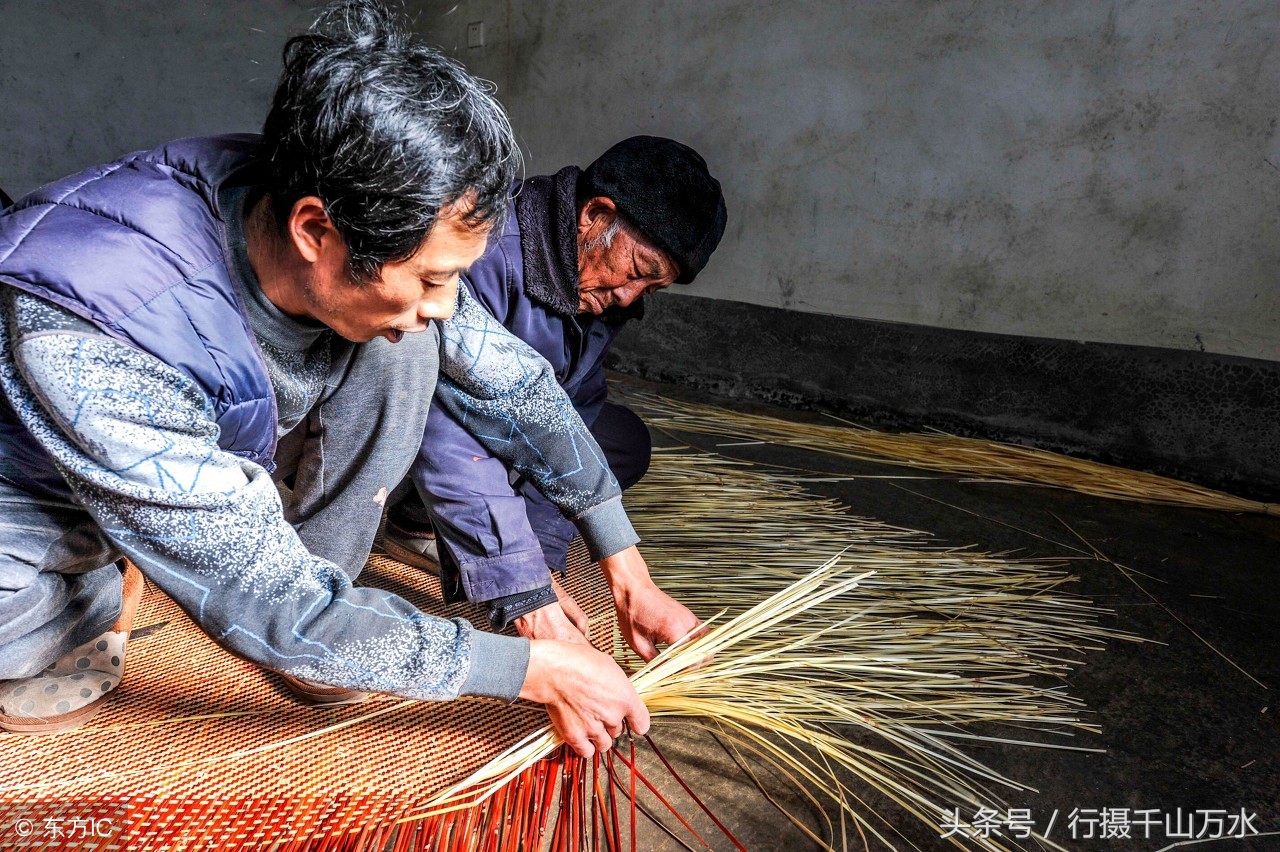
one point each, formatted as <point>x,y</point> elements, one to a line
<point>546,210</point>
<point>547,214</point>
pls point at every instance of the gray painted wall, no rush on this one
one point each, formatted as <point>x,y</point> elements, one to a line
<point>1081,170</point>
<point>82,82</point>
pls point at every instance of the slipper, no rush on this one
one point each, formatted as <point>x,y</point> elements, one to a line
<point>319,694</point>
<point>71,676</point>
<point>412,546</point>
<point>134,586</point>
<point>310,691</point>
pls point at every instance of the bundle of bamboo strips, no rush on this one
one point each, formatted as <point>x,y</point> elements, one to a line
<point>876,666</point>
<point>942,452</point>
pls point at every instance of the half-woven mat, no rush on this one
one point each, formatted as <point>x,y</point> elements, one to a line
<point>201,750</point>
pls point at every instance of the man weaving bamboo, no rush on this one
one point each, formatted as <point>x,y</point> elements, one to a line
<point>180,325</point>
<point>579,250</point>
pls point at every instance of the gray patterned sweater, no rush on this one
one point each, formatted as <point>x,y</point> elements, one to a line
<point>211,524</point>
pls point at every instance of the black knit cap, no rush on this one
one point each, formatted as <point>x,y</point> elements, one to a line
<point>664,189</point>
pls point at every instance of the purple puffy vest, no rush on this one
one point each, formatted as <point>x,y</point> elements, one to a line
<point>138,248</point>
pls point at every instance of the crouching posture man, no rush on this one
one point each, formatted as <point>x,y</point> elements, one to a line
<point>579,250</point>
<point>180,324</point>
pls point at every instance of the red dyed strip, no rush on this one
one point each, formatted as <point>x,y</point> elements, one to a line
<point>693,795</point>
<point>654,790</point>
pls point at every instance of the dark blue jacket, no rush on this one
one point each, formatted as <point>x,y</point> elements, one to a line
<point>481,519</point>
<point>137,247</point>
<point>575,345</point>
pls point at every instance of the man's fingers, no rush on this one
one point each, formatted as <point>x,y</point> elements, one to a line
<point>550,622</point>
<point>572,610</point>
<point>642,646</point>
<point>580,621</point>
<point>569,632</point>
<point>696,632</point>
<point>588,696</point>
<point>603,741</point>
<point>638,719</point>
<point>690,627</point>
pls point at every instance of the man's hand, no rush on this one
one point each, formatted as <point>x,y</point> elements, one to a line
<point>571,609</point>
<point>647,616</point>
<point>587,696</point>
<point>564,621</point>
<point>550,622</point>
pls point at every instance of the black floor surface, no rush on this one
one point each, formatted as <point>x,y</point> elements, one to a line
<point>1190,719</point>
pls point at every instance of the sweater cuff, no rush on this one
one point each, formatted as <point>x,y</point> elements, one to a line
<point>606,529</point>
<point>498,666</point>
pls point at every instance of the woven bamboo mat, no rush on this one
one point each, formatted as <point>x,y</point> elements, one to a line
<point>200,750</point>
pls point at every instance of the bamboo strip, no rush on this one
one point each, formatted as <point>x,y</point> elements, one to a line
<point>877,666</point>
<point>990,460</point>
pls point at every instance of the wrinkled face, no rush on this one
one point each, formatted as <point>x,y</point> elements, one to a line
<point>405,296</point>
<point>618,274</point>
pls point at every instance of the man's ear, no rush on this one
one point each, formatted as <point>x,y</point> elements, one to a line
<point>595,215</point>
<point>311,230</point>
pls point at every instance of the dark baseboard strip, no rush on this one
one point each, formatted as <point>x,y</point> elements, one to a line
<point>1205,418</point>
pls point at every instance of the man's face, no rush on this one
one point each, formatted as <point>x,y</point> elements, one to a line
<point>406,295</point>
<point>618,274</point>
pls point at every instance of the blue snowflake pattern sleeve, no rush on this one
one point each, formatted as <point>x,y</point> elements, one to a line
<point>506,395</point>
<point>135,441</point>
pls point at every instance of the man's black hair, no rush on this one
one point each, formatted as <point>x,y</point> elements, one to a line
<point>386,132</point>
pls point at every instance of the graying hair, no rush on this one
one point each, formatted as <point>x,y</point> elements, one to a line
<point>618,225</point>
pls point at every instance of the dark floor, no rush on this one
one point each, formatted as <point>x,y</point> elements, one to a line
<point>1182,727</point>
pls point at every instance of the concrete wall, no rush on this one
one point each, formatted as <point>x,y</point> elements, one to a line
<point>1087,171</point>
<point>1079,170</point>
<point>1069,170</point>
<point>82,82</point>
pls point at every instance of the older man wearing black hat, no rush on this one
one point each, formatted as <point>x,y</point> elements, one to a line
<point>567,273</point>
